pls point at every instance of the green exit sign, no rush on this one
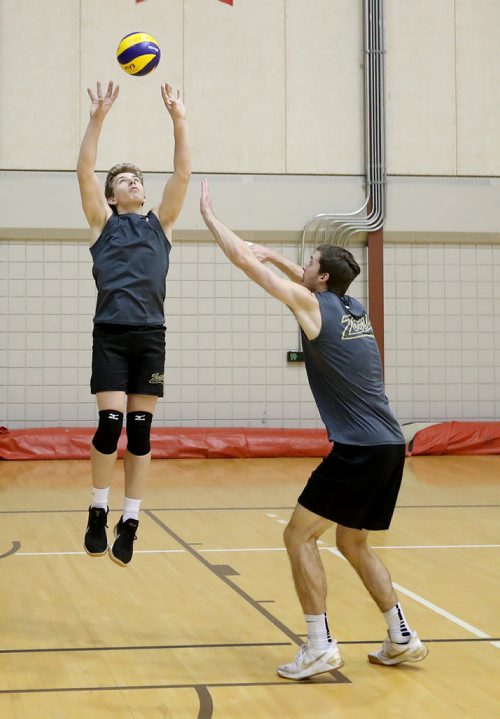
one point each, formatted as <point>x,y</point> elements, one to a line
<point>294,356</point>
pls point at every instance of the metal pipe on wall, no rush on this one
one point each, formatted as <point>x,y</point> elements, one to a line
<point>339,227</point>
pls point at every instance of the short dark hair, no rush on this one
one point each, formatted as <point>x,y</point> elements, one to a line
<point>114,172</point>
<point>341,266</point>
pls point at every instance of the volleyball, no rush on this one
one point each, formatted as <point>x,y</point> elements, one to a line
<point>138,53</point>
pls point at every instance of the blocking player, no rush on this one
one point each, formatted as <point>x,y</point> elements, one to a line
<point>356,486</point>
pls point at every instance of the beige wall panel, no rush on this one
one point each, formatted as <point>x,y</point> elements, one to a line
<point>39,57</point>
<point>284,203</point>
<point>138,129</point>
<point>235,85</point>
<point>324,85</point>
<point>434,206</point>
<point>451,205</point>
<point>421,131</point>
<point>478,86</point>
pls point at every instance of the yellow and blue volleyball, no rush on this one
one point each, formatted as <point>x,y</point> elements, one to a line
<point>138,53</point>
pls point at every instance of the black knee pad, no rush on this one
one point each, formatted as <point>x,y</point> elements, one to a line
<point>138,432</point>
<point>108,431</point>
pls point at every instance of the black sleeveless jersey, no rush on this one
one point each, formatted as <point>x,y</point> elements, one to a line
<point>131,258</point>
<point>345,373</point>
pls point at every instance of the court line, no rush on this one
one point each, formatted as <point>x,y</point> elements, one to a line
<point>229,645</point>
<point>196,554</point>
<point>237,509</point>
<point>434,607</point>
<point>311,682</point>
<point>437,546</point>
<point>447,640</point>
<point>14,548</point>
<point>403,546</point>
<point>332,550</point>
<point>206,702</point>
<point>338,676</point>
<point>61,554</point>
<point>147,647</point>
<point>447,615</point>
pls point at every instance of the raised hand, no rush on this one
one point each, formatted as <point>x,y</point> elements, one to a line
<point>101,104</point>
<point>174,105</point>
<point>205,200</point>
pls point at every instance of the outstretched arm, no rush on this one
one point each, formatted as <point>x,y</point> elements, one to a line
<point>293,271</point>
<point>94,204</point>
<point>176,187</point>
<point>298,298</point>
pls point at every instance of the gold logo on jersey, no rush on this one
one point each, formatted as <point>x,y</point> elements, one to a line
<point>356,328</point>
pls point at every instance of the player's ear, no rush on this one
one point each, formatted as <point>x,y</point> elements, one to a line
<point>111,200</point>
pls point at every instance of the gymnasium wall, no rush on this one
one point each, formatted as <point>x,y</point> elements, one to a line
<point>226,344</point>
<point>272,86</point>
<point>227,341</point>
<point>274,91</point>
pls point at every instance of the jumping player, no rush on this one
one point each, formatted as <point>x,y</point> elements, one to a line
<point>130,252</point>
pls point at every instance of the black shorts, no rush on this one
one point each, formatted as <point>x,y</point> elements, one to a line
<point>356,486</point>
<point>128,359</point>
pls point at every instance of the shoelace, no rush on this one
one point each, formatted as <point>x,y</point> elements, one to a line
<point>127,530</point>
<point>301,653</point>
<point>95,519</point>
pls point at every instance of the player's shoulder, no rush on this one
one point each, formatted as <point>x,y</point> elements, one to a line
<point>305,297</point>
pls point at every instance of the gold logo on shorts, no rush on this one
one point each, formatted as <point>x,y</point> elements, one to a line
<point>156,378</point>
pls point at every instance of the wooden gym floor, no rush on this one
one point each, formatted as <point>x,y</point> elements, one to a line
<point>196,625</point>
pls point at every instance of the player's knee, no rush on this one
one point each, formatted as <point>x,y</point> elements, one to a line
<point>291,537</point>
<point>108,431</point>
<point>139,432</point>
<point>350,543</point>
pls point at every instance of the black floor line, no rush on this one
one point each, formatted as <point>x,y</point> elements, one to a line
<point>237,509</point>
<point>426,641</point>
<point>206,702</point>
<point>223,573</point>
<point>228,645</point>
<point>323,679</point>
<point>340,678</point>
<point>150,647</point>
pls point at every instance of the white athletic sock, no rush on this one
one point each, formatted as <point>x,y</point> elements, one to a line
<point>318,632</point>
<point>399,631</point>
<point>131,508</point>
<point>100,498</point>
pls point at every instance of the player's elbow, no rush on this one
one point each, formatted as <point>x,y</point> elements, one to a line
<point>241,259</point>
<point>183,174</point>
<point>84,171</point>
<point>253,270</point>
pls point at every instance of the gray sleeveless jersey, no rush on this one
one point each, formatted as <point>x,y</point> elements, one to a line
<point>345,373</point>
<point>130,268</point>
